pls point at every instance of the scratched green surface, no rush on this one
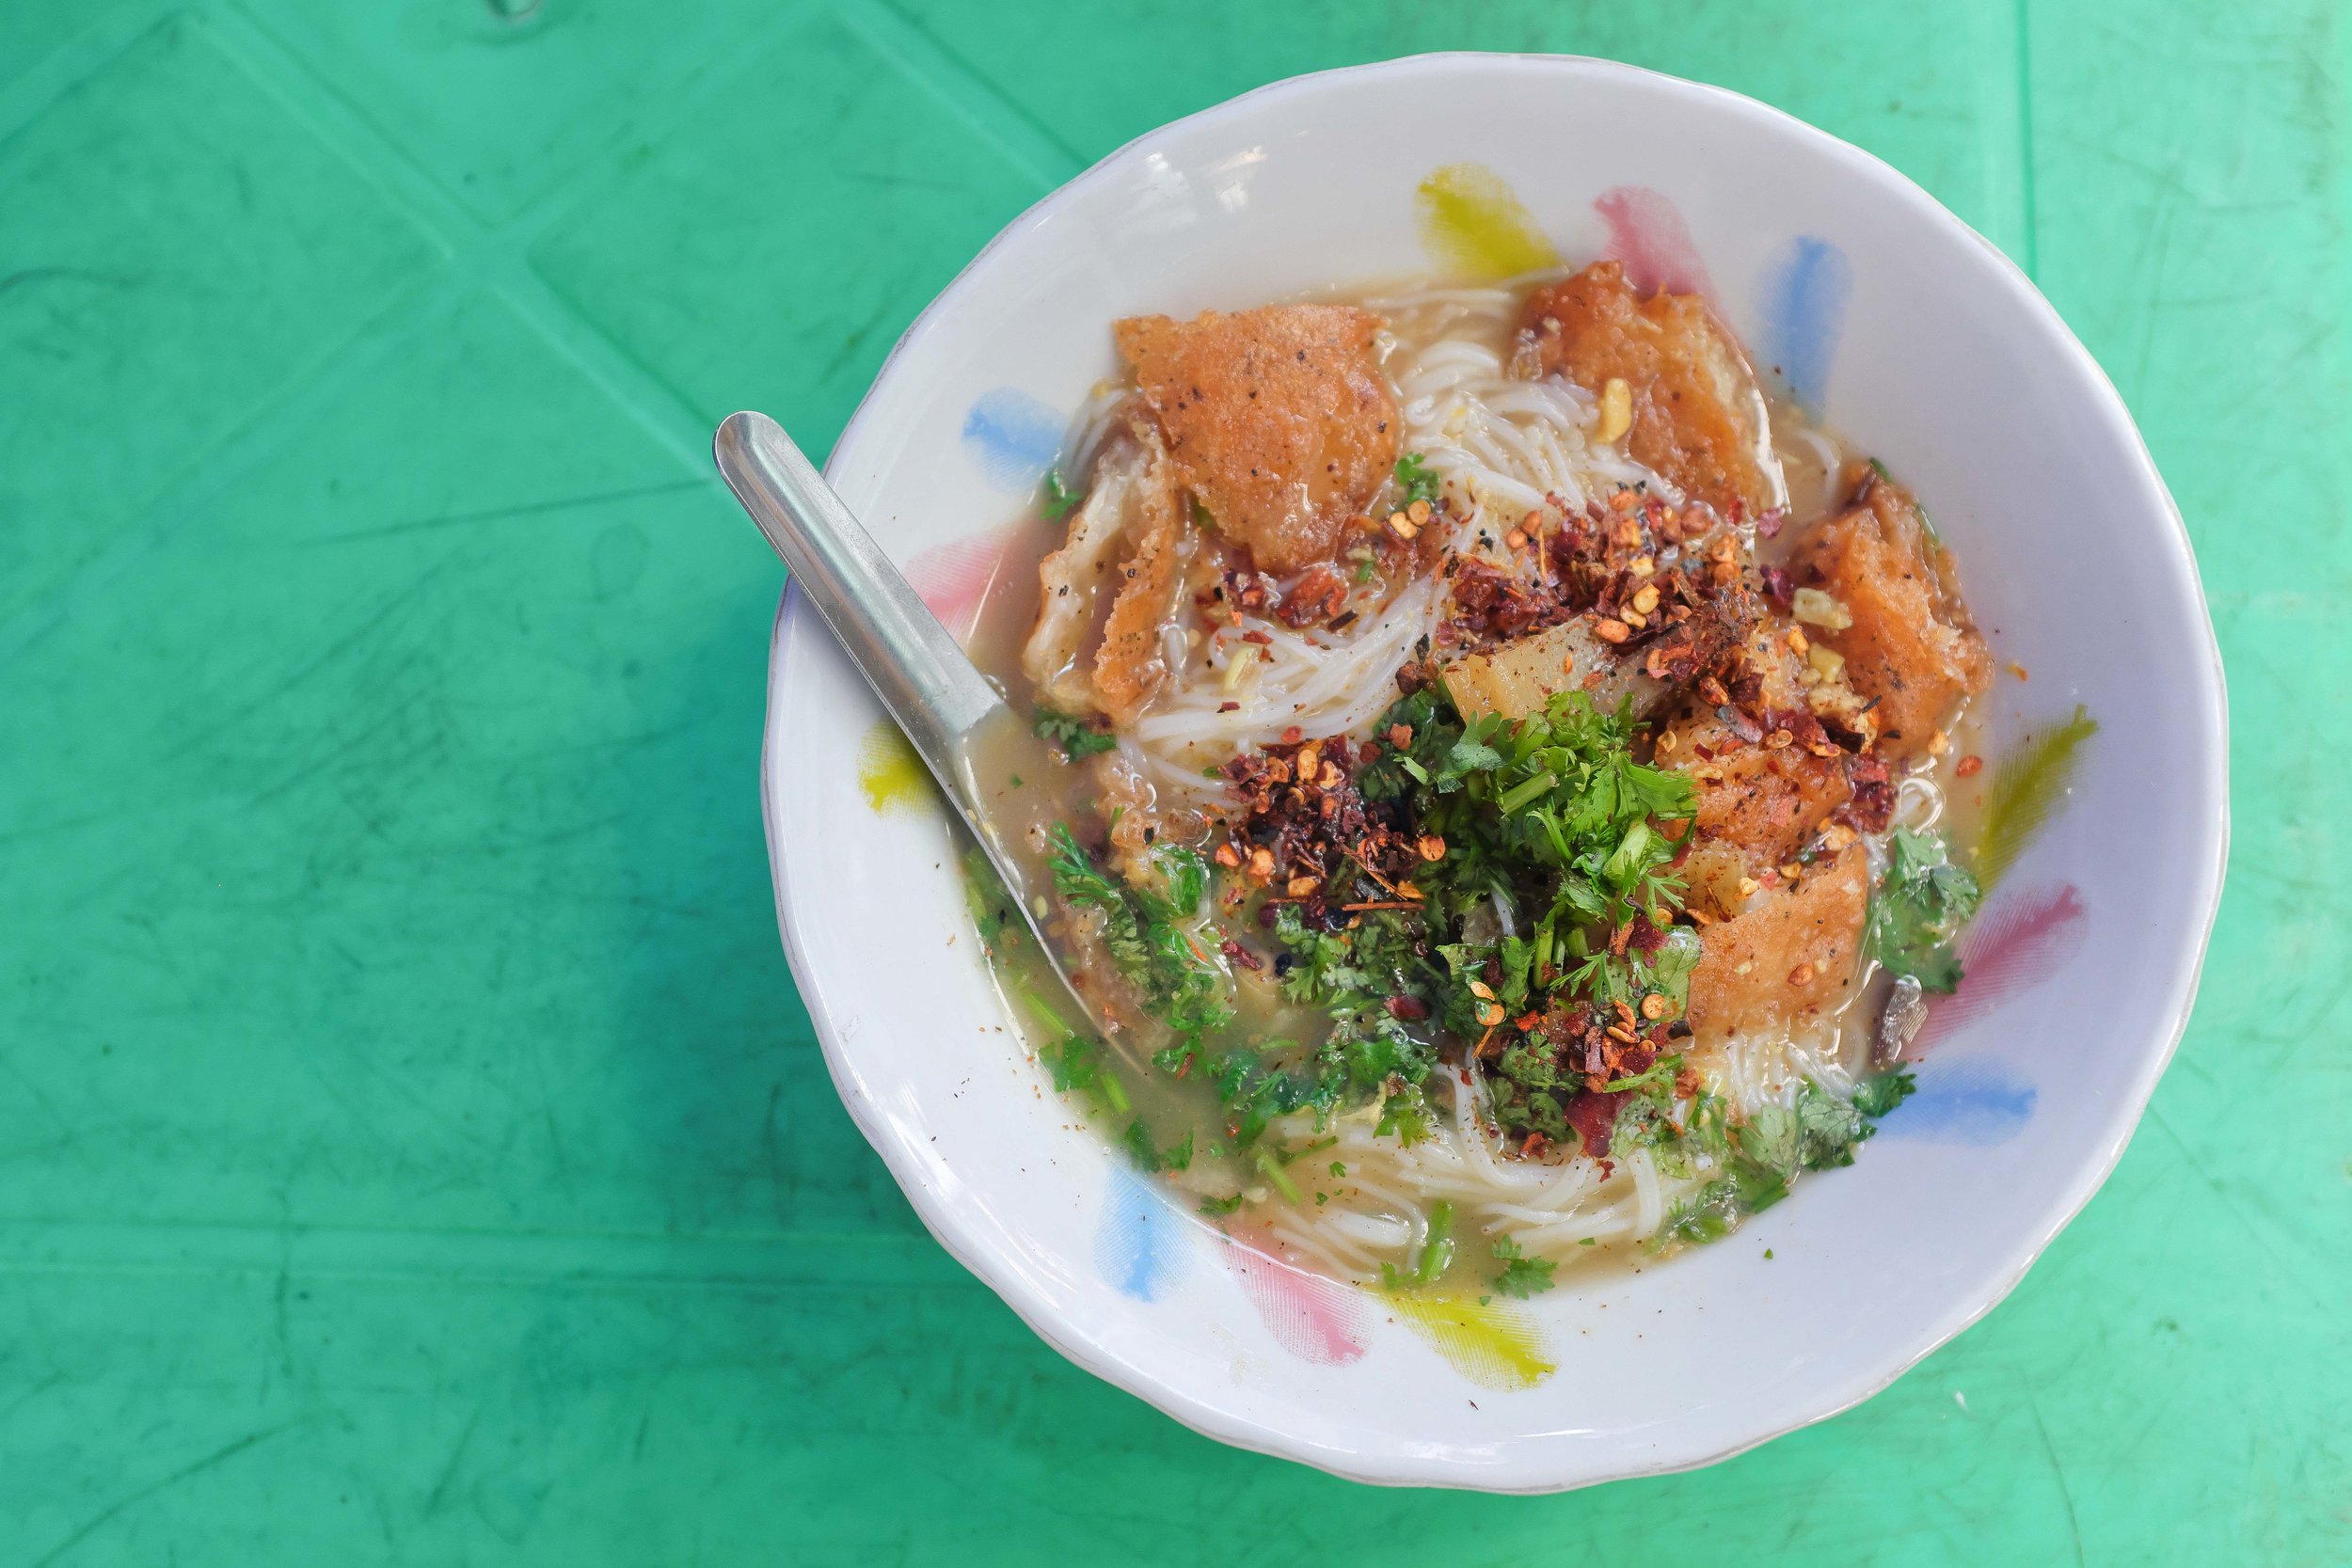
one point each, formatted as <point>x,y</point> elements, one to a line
<point>411,1148</point>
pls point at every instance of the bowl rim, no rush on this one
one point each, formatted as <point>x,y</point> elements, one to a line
<point>1530,1475</point>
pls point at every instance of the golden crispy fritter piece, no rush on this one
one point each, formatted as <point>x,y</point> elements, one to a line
<point>1278,420</point>
<point>1516,678</point>
<point>1789,958</point>
<point>1130,494</point>
<point>1130,667</point>
<point>1698,418</point>
<point>1911,647</point>
<point>1764,801</point>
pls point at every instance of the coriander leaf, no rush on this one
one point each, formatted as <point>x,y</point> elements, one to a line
<point>1140,1148</point>
<point>1058,498</point>
<point>1184,875</point>
<point>1256,1089</point>
<point>1920,906</point>
<point>1657,1075</point>
<point>1827,1129</point>
<point>1417,481</point>
<point>1471,755</point>
<point>1352,974</point>
<point>1076,1063</point>
<point>1670,967</point>
<point>1517,958</point>
<point>1830,1126</point>
<point>1145,934</point>
<point>993,915</point>
<point>1755,1187</point>
<point>1875,1097</point>
<point>1077,738</point>
<point>1436,1248</point>
<point>1769,1137</point>
<point>1521,1275</point>
<point>1706,1215</point>
<point>1405,1117</point>
<point>1073,1063</point>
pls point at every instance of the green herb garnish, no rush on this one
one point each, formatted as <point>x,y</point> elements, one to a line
<point>1549,821</point>
<point>1147,933</point>
<point>1058,498</point>
<point>1437,1251</point>
<point>1077,738</point>
<point>1416,481</point>
<point>1521,1275</point>
<point>1921,904</point>
<point>990,902</point>
<point>1763,1154</point>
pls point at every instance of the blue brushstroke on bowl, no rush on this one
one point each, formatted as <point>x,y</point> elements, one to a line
<point>1012,439</point>
<point>1976,1104</point>
<point>1139,1243</point>
<point>1804,291</point>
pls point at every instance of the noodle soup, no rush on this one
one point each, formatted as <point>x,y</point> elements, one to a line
<point>1487,759</point>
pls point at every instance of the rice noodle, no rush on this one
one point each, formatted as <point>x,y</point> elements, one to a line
<point>1507,444</point>
<point>1324,685</point>
<point>1376,1216</point>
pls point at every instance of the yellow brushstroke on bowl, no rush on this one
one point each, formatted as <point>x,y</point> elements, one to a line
<point>893,777</point>
<point>1493,1345</point>
<point>1475,226</point>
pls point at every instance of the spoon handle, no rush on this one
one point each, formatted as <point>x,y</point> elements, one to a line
<point>934,693</point>
<point>905,654</point>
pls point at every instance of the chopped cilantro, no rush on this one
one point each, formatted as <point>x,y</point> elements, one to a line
<point>1077,738</point>
<point>1416,481</point>
<point>1148,1156</point>
<point>1538,907</point>
<point>1550,822</point>
<point>1058,498</point>
<point>994,914</point>
<point>1144,931</point>
<point>1521,1275</point>
<point>1921,904</point>
<point>1257,1085</point>
<point>1216,1206</point>
<point>1271,1169</point>
<point>1437,1251</point>
<point>1765,1153</point>
<point>1657,1075</point>
<point>1140,1148</point>
<point>1875,1097</point>
<point>1405,1117</point>
<point>1076,1063</point>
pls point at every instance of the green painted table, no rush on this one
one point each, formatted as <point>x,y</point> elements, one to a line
<point>411,1149</point>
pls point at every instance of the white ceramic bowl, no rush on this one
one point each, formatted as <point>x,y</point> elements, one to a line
<point>1918,339</point>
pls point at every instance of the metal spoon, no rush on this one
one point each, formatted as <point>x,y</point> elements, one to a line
<point>939,698</point>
